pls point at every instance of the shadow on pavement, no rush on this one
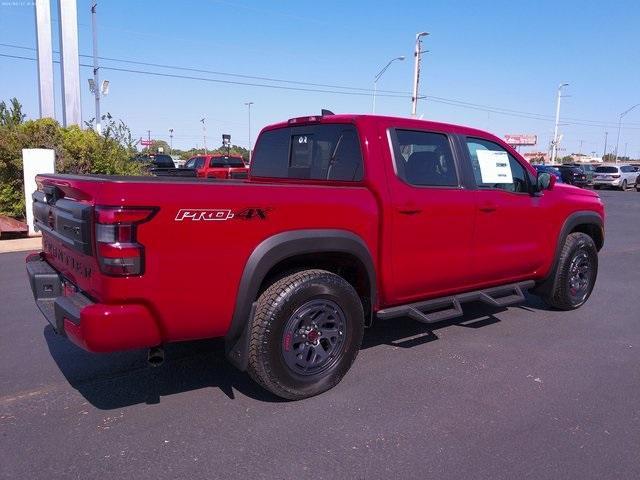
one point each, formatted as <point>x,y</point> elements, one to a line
<point>116,380</point>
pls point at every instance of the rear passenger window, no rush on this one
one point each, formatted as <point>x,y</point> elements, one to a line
<point>314,152</point>
<point>424,159</point>
<point>494,167</point>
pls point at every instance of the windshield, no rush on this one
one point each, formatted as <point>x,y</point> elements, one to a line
<point>607,170</point>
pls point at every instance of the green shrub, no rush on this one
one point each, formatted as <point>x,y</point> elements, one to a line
<point>77,150</point>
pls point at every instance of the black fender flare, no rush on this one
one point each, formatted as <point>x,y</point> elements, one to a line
<point>585,217</point>
<point>267,255</point>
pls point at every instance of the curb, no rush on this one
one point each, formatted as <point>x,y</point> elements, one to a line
<point>21,244</point>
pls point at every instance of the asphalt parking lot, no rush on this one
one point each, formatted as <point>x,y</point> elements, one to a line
<point>522,392</point>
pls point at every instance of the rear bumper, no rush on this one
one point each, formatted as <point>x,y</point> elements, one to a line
<point>608,183</point>
<point>92,326</point>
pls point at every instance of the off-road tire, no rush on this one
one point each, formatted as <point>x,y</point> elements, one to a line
<point>560,296</point>
<point>276,306</point>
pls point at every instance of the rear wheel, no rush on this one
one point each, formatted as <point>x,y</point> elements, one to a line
<point>575,273</point>
<point>623,187</point>
<point>305,334</point>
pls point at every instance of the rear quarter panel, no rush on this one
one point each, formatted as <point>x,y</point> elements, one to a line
<point>193,267</point>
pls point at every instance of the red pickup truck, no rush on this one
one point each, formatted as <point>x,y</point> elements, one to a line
<point>216,166</point>
<point>343,219</point>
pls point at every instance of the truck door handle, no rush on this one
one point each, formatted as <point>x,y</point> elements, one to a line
<point>409,210</point>
<point>488,208</point>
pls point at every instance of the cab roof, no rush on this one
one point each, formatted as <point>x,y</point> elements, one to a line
<point>386,121</point>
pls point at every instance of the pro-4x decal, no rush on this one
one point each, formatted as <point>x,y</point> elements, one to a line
<point>220,214</point>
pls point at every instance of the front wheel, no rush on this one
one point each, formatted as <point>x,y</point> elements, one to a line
<point>305,334</point>
<point>575,273</point>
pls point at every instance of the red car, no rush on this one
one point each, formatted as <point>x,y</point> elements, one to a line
<point>344,219</point>
<point>217,166</point>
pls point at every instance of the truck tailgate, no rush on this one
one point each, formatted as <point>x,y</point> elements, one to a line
<point>66,224</point>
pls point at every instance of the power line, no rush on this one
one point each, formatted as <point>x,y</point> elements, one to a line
<point>442,100</point>
<point>401,94</point>
<point>214,72</point>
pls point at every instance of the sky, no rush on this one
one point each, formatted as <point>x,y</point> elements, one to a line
<point>493,65</point>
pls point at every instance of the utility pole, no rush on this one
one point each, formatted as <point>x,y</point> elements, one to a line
<point>580,150</point>
<point>620,127</point>
<point>170,140</point>
<point>606,136</point>
<point>416,71</point>
<point>554,149</point>
<point>148,141</point>
<point>204,133</point>
<point>248,104</point>
<point>96,80</point>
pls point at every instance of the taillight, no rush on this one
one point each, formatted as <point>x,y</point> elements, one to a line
<point>117,248</point>
<point>616,176</point>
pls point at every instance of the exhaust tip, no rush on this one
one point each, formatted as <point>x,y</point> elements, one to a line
<point>155,357</point>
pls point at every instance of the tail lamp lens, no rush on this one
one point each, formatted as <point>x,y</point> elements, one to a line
<point>118,250</point>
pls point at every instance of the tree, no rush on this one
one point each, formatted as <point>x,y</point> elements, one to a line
<point>11,116</point>
<point>76,150</point>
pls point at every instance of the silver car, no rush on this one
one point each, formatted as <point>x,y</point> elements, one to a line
<point>615,176</point>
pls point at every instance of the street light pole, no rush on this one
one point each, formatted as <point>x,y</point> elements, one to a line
<point>554,147</point>
<point>620,126</point>
<point>416,71</point>
<point>606,136</point>
<point>377,77</point>
<point>170,140</point>
<point>96,81</point>
<point>204,133</point>
<point>248,104</point>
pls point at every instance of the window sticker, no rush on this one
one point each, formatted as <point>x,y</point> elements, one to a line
<point>494,166</point>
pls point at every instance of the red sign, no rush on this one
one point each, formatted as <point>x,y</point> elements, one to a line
<point>521,139</point>
<point>146,143</point>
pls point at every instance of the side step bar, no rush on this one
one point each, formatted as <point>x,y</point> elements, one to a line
<point>445,308</point>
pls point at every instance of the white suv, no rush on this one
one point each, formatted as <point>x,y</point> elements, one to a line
<point>616,176</point>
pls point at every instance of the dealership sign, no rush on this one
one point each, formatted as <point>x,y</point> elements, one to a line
<point>521,139</point>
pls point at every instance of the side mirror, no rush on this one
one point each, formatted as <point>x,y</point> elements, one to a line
<point>545,181</point>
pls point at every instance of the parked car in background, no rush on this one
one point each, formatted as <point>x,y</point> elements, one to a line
<point>615,176</point>
<point>555,171</point>
<point>218,166</point>
<point>209,166</point>
<point>637,167</point>
<point>156,162</point>
<point>177,161</point>
<point>587,169</point>
<point>573,175</point>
